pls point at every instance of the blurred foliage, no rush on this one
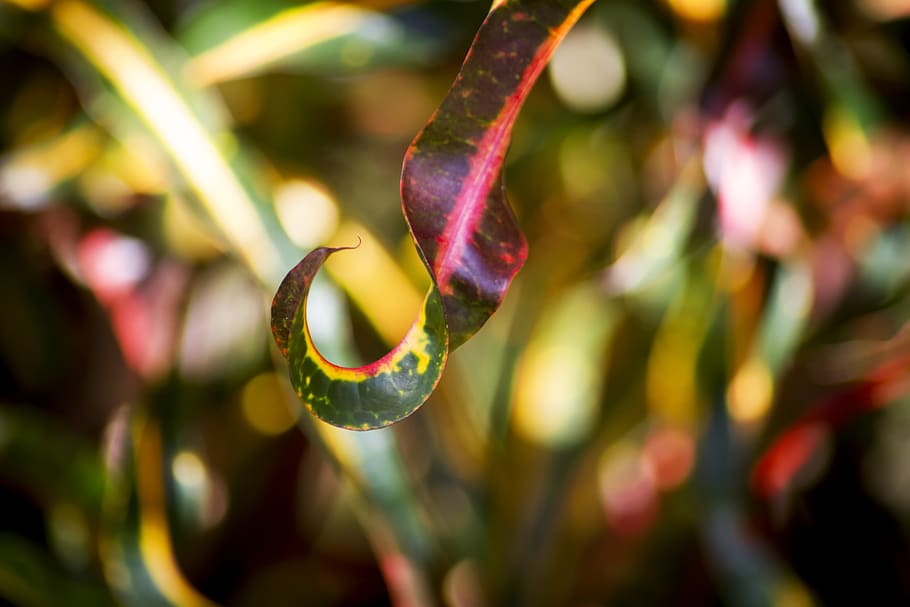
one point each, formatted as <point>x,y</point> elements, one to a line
<point>695,394</point>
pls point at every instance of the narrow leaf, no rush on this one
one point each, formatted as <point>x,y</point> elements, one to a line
<point>451,182</point>
<point>465,231</point>
<point>237,40</point>
<point>371,396</point>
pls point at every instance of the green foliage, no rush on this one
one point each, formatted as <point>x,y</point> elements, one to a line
<point>695,391</point>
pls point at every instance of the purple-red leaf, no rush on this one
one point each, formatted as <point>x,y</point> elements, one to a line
<point>465,231</point>
<point>451,185</point>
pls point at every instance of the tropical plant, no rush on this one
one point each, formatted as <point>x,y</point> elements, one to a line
<point>662,357</point>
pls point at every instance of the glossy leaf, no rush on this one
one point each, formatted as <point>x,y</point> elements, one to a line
<point>464,229</point>
<point>371,396</point>
<point>451,181</point>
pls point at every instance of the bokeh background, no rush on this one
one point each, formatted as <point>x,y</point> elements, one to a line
<point>695,393</point>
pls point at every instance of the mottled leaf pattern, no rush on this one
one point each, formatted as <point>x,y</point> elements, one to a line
<point>451,183</point>
<point>464,229</point>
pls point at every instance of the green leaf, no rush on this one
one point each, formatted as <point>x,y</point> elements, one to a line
<point>184,120</point>
<point>371,396</point>
<point>246,38</point>
<point>462,225</point>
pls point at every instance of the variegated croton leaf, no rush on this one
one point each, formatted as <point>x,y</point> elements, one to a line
<point>453,199</point>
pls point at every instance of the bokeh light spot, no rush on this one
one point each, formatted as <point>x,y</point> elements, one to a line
<point>307,211</point>
<point>848,144</point>
<point>751,391</point>
<point>699,10</point>
<point>588,71</point>
<point>461,586</point>
<point>552,405</point>
<point>265,405</point>
<point>112,264</point>
<point>189,470</point>
<point>628,490</point>
<point>670,453</point>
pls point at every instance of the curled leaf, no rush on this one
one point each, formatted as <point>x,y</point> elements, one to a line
<point>465,231</point>
<point>367,397</point>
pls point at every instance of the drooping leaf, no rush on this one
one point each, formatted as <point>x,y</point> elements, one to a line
<point>462,225</point>
<point>451,181</point>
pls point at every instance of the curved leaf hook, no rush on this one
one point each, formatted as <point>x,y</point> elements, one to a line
<point>454,202</point>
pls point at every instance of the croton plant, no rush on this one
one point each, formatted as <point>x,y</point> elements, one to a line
<point>462,225</point>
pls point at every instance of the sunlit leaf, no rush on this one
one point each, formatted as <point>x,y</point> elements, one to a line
<point>464,229</point>
<point>244,38</point>
<point>178,120</point>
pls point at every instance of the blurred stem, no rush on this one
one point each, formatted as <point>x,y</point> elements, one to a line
<point>154,538</point>
<point>525,581</point>
<point>394,528</point>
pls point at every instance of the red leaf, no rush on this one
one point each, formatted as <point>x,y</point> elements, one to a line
<point>465,231</point>
<point>451,184</point>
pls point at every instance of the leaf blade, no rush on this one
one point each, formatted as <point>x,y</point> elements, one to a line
<point>360,398</point>
<point>465,231</point>
<point>453,169</point>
